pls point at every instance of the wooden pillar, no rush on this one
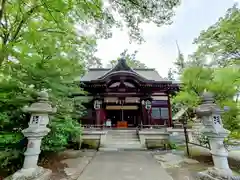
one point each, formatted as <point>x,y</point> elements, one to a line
<point>98,117</point>
<point>149,117</point>
<point>170,123</point>
<point>143,114</point>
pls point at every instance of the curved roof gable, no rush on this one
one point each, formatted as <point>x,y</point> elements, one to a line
<point>121,67</point>
<point>95,74</point>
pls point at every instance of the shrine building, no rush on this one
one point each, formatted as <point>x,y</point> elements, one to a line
<point>123,97</point>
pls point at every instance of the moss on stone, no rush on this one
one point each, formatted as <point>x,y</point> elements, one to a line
<point>154,144</point>
<point>90,144</point>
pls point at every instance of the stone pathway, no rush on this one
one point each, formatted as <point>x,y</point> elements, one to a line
<point>170,160</point>
<point>124,165</point>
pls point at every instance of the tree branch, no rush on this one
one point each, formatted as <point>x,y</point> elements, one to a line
<point>46,6</point>
<point>48,30</point>
<point>2,9</point>
<point>23,21</point>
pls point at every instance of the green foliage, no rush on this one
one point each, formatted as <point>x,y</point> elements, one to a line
<point>172,145</point>
<point>131,60</point>
<point>222,82</point>
<point>221,75</point>
<point>24,24</point>
<point>221,41</point>
<point>9,156</point>
<point>46,45</point>
<point>63,130</point>
<point>170,74</point>
<point>180,62</point>
<point>235,135</point>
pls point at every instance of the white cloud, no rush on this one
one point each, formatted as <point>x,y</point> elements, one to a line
<point>153,54</point>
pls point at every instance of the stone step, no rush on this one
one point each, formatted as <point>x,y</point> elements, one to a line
<point>122,135</point>
<point>109,149</point>
<point>121,142</point>
<point>119,137</point>
<point>121,132</point>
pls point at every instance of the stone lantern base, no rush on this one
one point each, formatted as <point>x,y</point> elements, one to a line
<point>38,173</point>
<point>216,174</point>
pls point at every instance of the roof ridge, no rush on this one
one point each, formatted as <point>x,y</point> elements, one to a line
<point>106,69</point>
<point>99,69</point>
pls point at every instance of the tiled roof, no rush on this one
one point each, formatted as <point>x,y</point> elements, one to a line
<point>94,74</point>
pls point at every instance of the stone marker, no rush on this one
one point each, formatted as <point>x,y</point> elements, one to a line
<point>35,132</point>
<point>210,114</point>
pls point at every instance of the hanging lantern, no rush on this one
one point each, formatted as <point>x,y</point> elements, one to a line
<point>97,104</point>
<point>148,104</point>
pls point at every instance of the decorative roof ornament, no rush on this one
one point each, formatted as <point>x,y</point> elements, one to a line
<point>122,66</point>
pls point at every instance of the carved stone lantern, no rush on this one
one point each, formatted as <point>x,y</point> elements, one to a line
<point>210,115</point>
<point>36,130</point>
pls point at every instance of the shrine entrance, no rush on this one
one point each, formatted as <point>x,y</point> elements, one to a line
<point>123,116</point>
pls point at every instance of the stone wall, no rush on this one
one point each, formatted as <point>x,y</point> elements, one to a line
<point>90,144</point>
<point>154,138</point>
<point>92,139</point>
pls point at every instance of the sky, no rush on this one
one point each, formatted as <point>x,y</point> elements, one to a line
<point>159,50</point>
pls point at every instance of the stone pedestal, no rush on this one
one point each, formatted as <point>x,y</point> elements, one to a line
<point>216,174</point>
<point>35,132</point>
<point>36,173</point>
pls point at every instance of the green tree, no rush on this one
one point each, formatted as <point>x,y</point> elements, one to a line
<point>45,45</point>
<point>214,67</point>
<point>130,58</point>
<point>23,23</point>
<point>170,74</point>
<point>180,63</point>
<point>221,41</point>
<point>221,81</point>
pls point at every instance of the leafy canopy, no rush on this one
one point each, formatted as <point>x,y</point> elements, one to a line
<point>220,75</point>
<point>221,41</point>
<point>46,45</point>
<point>26,23</point>
<point>130,59</point>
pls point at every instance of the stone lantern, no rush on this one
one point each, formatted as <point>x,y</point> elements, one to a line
<point>36,130</point>
<point>210,115</point>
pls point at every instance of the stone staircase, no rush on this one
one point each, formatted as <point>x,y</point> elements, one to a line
<point>121,139</point>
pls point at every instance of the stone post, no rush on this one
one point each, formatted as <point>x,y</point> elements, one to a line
<point>210,114</point>
<point>35,132</point>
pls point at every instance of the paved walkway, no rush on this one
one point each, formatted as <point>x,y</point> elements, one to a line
<point>124,165</point>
